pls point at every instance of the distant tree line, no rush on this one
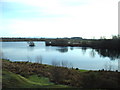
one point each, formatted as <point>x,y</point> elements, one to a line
<point>103,43</point>
<point>22,39</point>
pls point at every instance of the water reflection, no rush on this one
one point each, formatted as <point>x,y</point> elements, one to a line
<point>83,50</point>
<point>71,48</point>
<point>74,55</point>
<point>29,59</point>
<point>92,53</point>
<point>30,48</point>
<point>112,54</point>
<point>62,49</point>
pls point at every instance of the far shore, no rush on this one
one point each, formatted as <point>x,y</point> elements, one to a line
<point>113,44</point>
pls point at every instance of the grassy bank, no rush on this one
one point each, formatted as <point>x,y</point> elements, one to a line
<point>12,80</point>
<point>27,75</point>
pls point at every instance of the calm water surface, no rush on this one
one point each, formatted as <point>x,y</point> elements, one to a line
<point>77,57</point>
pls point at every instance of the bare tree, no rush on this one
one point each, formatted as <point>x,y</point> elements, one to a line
<point>119,65</point>
<point>64,63</point>
<point>70,65</point>
<point>39,59</point>
<point>108,66</point>
<point>29,59</point>
<point>1,54</point>
<point>55,63</point>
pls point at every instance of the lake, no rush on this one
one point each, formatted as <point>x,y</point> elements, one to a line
<point>77,57</point>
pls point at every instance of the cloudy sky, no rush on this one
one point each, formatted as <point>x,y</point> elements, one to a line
<point>58,18</point>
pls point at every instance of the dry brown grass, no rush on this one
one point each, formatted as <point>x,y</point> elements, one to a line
<point>63,75</point>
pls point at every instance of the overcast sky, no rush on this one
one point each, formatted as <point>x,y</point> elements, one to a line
<point>58,18</point>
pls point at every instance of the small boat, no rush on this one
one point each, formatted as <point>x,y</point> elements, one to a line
<point>31,44</point>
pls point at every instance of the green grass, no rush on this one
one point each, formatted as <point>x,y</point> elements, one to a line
<point>33,75</point>
<point>42,80</point>
<point>82,70</point>
<point>11,80</point>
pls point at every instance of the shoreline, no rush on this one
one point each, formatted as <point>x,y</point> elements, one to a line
<point>112,44</point>
<point>68,78</point>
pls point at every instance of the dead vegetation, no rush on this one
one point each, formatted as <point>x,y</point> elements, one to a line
<point>64,75</point>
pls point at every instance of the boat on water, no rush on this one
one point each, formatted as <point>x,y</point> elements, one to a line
<point>31,44</point>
